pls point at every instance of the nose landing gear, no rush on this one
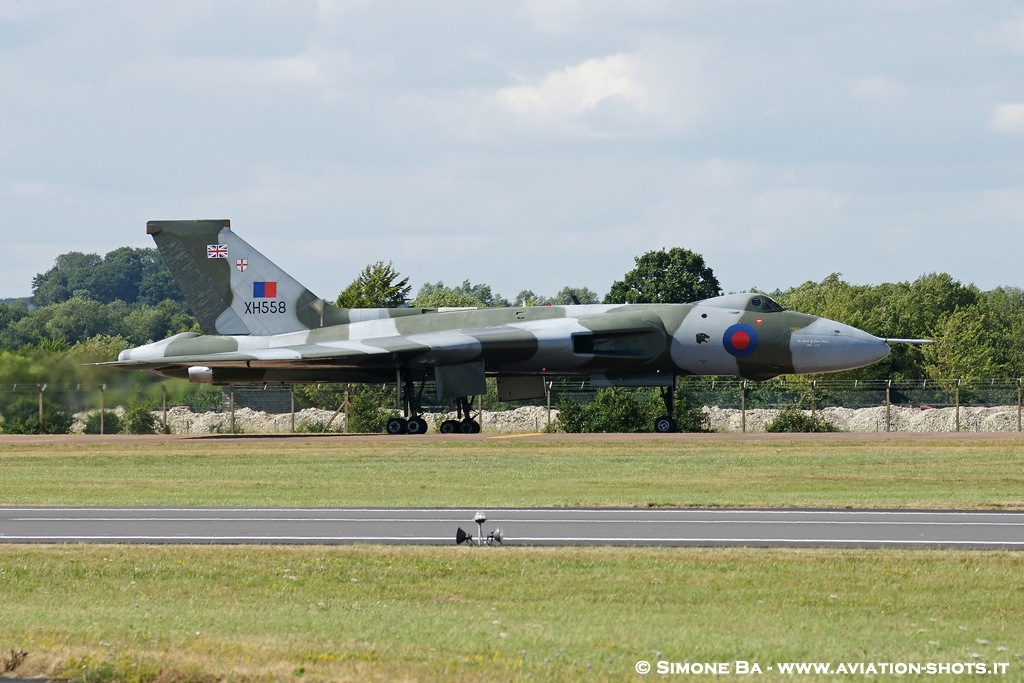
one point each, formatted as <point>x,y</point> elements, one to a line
<point>666,424</point>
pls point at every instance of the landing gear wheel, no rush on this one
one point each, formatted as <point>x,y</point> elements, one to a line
<point>396,425</point>
<point>416,425</point>
<point>665,425</point>
<point>469,426</point>
<point>450,427</point>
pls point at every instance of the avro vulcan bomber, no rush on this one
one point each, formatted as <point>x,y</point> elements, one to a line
<point>260,326</point>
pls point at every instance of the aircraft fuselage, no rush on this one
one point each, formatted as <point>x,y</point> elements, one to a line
<point>745,335</point>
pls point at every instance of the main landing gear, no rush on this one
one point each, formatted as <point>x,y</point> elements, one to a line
<point>666,424</point>
<point>400,425</point>
<point>465,424</point>
<point>409,399</point>
<point>412,407</point>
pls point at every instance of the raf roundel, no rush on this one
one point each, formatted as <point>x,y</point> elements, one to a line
<point>740,340</point>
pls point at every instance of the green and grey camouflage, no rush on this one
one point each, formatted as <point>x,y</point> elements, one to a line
<point>262,326</point>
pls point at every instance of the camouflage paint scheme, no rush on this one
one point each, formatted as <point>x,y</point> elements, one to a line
<point>262,326</point>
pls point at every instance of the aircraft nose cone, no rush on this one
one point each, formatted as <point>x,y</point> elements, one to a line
<point>828,346</point>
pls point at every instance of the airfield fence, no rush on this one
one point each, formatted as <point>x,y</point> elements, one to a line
<point>721,393</point>
<point>729,392</point>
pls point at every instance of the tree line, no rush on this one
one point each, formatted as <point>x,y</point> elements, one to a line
<point>90,307</point>
<point>128,294</point>
<point>978,334</point>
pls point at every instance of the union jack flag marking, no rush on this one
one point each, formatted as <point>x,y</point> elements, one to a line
<point>216,251</point>
<point>241,264</point>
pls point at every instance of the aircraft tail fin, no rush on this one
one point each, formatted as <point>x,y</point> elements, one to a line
<point>233,288</point>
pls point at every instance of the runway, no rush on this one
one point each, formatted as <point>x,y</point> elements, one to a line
<point>521,527</point>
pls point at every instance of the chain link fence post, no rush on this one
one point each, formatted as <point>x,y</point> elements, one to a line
<point>888,406</point>
<point>1020,381</point>
<point>958,406</point>
<point>743,407</point>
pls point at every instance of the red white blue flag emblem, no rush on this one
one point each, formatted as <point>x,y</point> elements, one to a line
<point>264,290</point>
<point>216,251</point>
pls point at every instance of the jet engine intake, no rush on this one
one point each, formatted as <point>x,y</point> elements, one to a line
<point>200,374</point>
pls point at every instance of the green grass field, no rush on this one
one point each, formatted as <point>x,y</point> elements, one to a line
<point>916,473</point>
<point>137,613</point>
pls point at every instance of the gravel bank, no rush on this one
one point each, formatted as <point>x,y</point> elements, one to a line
<point>181,420</point>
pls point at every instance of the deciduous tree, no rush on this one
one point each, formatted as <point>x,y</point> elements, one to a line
<point>378,286</point>
<point>436,295</point>
<point>665,277</point>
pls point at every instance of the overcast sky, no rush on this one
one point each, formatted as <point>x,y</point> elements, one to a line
<point>522,144</point>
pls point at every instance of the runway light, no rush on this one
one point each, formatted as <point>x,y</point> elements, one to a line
<point>496,537</point>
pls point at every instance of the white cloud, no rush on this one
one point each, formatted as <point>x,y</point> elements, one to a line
<point>1008,119</point>
<point>570,92</point>
<point>660,88</point>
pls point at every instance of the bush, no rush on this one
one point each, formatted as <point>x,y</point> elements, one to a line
<point>370,409</point>
<point>624,410</point>
<point>612,410</point>
<point>627,410</point>
<point>138,419</point>
<point>795,420</point>
<point>22,417</point>
<point>693,420</point>
<point>111,423</point>
<point>203,400</point>
<point>572,416</point>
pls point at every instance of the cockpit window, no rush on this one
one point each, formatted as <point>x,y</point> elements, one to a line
<point>764,304</point>
<point>758,303</point>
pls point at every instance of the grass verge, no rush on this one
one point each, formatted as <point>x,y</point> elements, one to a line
<point>98,613</point>
<point>912,473</point>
